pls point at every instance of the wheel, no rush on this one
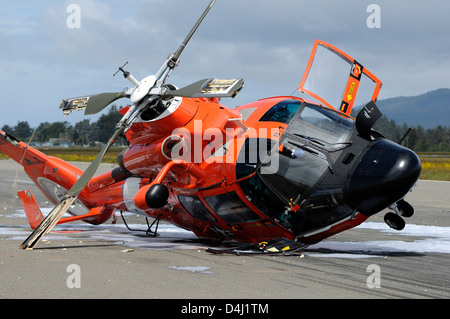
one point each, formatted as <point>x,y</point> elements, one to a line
<point>394,221</point>
<point>406,210</point>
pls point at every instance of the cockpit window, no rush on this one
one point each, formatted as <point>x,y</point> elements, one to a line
<point>231,208</point>
<point>195,208</point>
<point>282,112</point>
<point>314,122</point>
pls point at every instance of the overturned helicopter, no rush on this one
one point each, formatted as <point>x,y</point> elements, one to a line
<point>276,175</point>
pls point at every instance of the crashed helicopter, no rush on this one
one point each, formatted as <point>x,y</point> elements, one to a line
<point>271,176</point>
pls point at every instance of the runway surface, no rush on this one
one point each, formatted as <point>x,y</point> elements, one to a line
<point>109,261</point>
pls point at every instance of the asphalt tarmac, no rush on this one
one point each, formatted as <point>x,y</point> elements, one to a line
<point>109,261</point>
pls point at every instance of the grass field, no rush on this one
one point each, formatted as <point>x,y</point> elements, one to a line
<point>79,154</point>
<point>83,154</point>
<point>434,166</point>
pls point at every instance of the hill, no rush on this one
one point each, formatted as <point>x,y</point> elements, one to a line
<point>427,110</point>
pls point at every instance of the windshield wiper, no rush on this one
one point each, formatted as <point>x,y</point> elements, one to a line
<point>312,139</point>
<point>322,143</point>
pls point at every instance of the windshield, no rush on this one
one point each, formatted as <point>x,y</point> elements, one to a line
<point>317,123</point>
<point>322,125</point>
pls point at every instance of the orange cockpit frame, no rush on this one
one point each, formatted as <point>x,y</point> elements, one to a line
<point>354,78</point>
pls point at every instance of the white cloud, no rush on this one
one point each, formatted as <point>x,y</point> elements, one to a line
<point>266,42</point>
<point>13,27</point>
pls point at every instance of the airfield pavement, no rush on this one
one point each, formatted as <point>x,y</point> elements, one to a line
<point>109,261</point>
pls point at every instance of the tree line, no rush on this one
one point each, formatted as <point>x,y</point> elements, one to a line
<point>80,134</point>
<point>86,133</point>
<point>419,139</point>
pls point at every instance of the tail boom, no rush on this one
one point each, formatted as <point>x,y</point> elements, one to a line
<point>53,177</point>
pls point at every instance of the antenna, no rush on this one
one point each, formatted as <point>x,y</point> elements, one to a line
<point>121,69</point>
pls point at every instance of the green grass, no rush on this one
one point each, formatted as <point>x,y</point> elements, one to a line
<point>78,154</point>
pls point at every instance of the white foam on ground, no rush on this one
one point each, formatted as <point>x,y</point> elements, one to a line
<point>434,239</point>
<point>199,269</point>
<point>430,239</point>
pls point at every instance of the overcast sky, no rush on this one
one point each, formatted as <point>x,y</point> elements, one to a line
<point>43,58</point>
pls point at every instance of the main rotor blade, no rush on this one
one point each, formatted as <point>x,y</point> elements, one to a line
<point>92,104</point>
<point>98,102</point>
<point>177,54</point>
<point>208,88</point>
<point>90,171</point>
<point>58,211</point>
<point>48,223</point>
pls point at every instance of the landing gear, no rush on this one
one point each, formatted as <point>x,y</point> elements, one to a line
<point>395,220</point>
<point>404,208</point>
<point>149,231</point>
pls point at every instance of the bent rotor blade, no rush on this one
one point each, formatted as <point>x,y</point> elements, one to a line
<point>91,104</point>
<point>90,171</point>
<point>208,88</point>
<point>180,49</point>
<point>98,102</point>
<point>55,215</point>
<point>48,223</point>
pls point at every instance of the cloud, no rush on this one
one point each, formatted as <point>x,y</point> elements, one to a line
<point>266,42</point>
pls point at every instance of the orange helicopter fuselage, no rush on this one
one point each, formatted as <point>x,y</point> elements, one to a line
<point>207,137</point>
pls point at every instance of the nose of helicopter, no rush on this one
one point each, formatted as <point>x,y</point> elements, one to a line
<point>383,176</point>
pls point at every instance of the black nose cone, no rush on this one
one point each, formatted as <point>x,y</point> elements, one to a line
<point>384,175</point>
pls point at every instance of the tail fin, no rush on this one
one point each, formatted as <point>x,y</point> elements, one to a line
<point>31,208</point>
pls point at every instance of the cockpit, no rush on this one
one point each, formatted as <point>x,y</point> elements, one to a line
<point>322,169</point>
<point>325,166</point>
<point>287,171</point>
